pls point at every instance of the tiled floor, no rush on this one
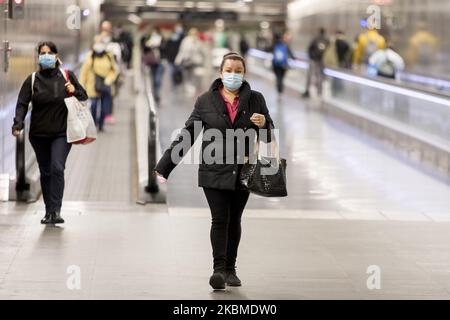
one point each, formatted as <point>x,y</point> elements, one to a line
<point>135,252</point>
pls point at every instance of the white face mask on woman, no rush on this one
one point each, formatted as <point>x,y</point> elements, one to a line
<point>232,81</point>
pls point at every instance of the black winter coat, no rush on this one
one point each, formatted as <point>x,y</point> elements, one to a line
<point>210,111</point>
<point>49,114</point>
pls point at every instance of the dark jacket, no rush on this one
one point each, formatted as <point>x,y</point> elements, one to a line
<point>171,47</point>
<point>317,48</point>
<point>211,113</point>
<point>49,113</point>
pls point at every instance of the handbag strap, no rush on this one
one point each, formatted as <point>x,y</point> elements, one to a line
<point>275,149</point>
<point>33,79</point>
<point>65,73</point>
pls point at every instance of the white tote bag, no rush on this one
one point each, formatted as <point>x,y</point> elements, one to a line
<point>80,124</point>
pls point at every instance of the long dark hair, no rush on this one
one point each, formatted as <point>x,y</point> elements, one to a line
<point>52,47</point>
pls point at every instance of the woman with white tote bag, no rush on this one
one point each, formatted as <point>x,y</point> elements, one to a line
<point>47,89</point>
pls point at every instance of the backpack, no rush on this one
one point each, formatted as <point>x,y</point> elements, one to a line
<point>317,49</point>
<point>280,55</point>
<point>150,58</point>
<point>386,68</point>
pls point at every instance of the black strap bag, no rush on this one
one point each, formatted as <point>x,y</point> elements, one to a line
<point>100,87</point>
<point>177,75</point>
<point>264,176</point>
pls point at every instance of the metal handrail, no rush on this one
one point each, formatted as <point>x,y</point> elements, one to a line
<point>152,183</point>
<point>349,74</point>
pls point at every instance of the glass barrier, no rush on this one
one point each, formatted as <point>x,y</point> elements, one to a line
<point>421,111</point>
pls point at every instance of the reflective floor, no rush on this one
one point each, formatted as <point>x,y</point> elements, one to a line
<point>126,251</point>
<point>350,206</point>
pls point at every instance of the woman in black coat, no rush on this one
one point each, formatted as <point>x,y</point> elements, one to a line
<point>229,107</point>
<point>48,124</point>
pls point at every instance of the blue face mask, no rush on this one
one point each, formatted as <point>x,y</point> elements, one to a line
<point>232,81</point>
<point>47,60</point>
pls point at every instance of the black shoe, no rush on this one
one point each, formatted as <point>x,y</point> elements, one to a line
<point>231,279</point>
<point>305,94</point>
<point>57,218</point>
<point>48,218</point>
<point>217,281</point>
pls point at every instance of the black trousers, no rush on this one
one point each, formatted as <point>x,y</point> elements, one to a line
<point>51,154</point>
<point>280,72</point>
<point>226,212</point>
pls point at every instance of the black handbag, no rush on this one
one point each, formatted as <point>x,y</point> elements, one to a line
<point>100,86</point>
<point>252,176</point>
<point>177,75</point>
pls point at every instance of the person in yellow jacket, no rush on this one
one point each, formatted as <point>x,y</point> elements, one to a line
<point>367,44</point>
<point>98,73</point>
<point>423,47</point>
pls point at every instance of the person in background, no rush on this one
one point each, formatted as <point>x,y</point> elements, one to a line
<point>316,51</point>
<point>106,36</point>
<point>171,49</point>
<point>366,45</point>
<point>114,48</point>
<point>243,45</point>
<point>153,51</point>
<point>97,75</point>
<point>337,55</point>
<point>280,60</point>
<point>48,124</point>
<point>191,58</point>
<point>343,50</point>
<point>423,47</point>
<point>386,62</point>
<point>125,39</point>
<point>230,104</point>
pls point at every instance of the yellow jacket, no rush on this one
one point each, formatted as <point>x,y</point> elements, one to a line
<point>423,47</point>
<point>364,44</point>
<point>104,66</point>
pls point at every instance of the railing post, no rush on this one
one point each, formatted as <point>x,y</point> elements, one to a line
<point>21,183</point>
<point>152,185</point>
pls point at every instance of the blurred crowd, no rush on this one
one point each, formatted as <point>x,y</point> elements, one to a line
<point>370,53</point>
<point>183,54</point>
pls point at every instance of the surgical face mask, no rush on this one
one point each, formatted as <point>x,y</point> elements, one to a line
<point>47,60</point>
<point>99,47</point>
<point>232,81</point>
